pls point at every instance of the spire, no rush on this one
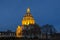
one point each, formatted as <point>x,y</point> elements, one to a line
<point>28,10</point>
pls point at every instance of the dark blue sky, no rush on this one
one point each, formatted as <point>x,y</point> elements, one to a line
<point>44,12</point>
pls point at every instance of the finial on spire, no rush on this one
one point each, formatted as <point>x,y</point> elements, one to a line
<point>28,10</point>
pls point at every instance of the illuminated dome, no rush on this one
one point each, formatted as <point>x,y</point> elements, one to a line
<point>28,18</point>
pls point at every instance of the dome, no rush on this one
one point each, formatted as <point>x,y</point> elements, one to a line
<point>28,18</point>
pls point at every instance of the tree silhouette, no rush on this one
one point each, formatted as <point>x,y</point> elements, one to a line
<point>32,30</point>
<point>48,30</point>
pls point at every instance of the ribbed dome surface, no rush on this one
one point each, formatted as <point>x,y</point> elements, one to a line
<point>28,18</point>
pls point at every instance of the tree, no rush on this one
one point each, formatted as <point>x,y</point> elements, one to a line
<point>48,30</point>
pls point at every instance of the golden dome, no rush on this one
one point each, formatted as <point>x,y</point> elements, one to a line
<point>28,18</point>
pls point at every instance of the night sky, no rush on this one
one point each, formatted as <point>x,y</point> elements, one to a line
<point>43,11</point>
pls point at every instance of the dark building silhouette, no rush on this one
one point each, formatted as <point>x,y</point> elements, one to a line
<point>7,33</point>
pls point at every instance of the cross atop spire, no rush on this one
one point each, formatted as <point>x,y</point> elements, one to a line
<point>28,10</point>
